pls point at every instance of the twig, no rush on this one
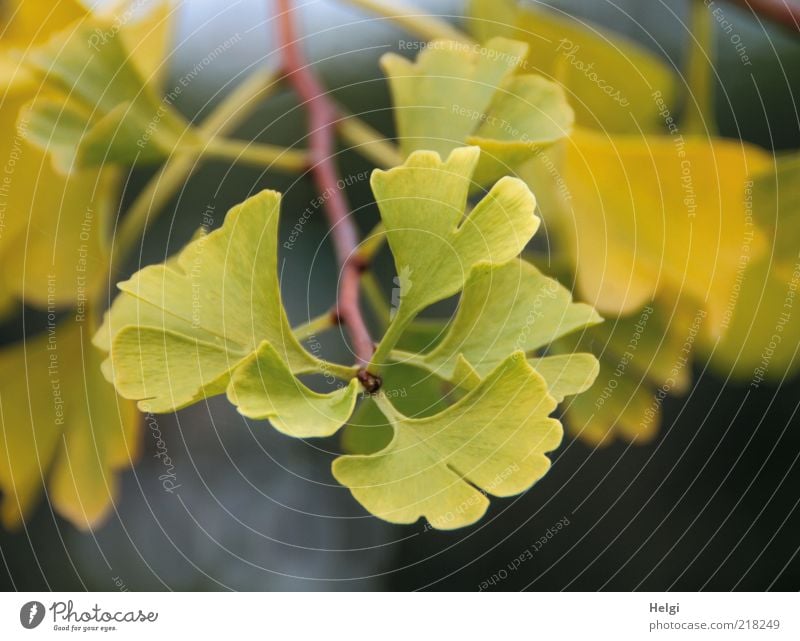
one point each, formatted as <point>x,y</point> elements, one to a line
<point>420,23</point>
<point>322,118</point>
<point>698,116</point>
<point>784,12</point>
<point>368,142</point>
<point>256,154</point>
<point>228,115</point>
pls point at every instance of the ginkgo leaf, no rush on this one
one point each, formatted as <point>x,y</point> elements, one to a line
<point>414,392</point>
<point>611,82</point>
<point>181,330</point>
<point>649,216</point>
<point>513,307</point>
<point>102,110</point>
<point>32,21</point>
<point>263,387</point>
<point>644,359</point>
<point>762,331</point>
<point>656,342</point>
<point>760,342</point>
<point>567,374</point>
<point>422,204</point>
<point>147,38</point>
<point>54,245</point>
<point>53,250</point>
<point>455,94</point>
<point>776,208</point>
<point>618,406</point>
<point>494,439</point>
<point>63,426</point>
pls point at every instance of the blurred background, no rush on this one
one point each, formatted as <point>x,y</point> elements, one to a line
<point>711,503</point>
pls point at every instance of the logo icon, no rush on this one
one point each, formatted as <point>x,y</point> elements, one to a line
<point>31,614</point>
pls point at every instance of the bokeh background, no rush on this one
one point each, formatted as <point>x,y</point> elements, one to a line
<point>711,503</point>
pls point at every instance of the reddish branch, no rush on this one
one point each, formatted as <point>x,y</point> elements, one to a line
<point>321,124</point>
<point>785,12</point>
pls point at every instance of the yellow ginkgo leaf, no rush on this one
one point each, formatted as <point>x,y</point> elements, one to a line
<point>762,330</point>
<point>611,82</point>
<point>54,227</point>
<point>99,108</point>
<point>644,358</point>
<point>653,215</point>
<point>63,426</point>
<point>454,94</point>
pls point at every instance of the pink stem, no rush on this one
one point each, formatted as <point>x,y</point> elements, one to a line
<point>322,117</point>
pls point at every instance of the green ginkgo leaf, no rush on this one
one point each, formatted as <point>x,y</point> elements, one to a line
<point>62,426</point>
<point>455,94</point>
<point>611,82</point>
<point>414,392</point>
<point>180,331</point>
<point>422,204</point>
<point>263,387</point>
<point>512,307</point>
<point>98,109</point>
<point>493,440</point>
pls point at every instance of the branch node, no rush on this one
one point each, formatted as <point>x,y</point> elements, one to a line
<point>369,381</point>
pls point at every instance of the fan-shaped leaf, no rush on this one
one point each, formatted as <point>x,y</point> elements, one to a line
<point>422,204</point>
<point>102,110</point>
<point>181,330</point>
<point>611,81</point>
<point>62,425</point>
<point>507,308</point>
<point>455,94</point>
<point>493,440</point>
